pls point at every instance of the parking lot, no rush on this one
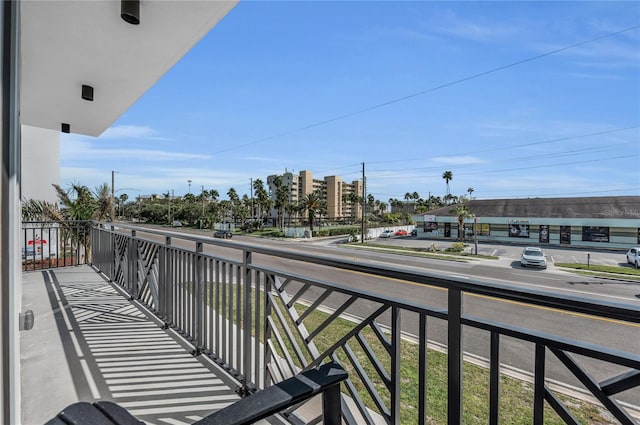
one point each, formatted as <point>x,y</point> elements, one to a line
<point>555,254</point>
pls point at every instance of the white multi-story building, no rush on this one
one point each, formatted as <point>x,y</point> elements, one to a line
<point>333,190</point>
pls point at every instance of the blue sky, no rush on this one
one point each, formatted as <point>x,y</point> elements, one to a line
<point>325,86</point>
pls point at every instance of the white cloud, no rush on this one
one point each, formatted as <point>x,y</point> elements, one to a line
<point>74,148</point>
<point>131,132</point>
<point>479,29</point>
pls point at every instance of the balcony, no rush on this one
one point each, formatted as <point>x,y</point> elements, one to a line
<point>174,326</point>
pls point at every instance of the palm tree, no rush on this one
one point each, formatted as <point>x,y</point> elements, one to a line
<point>408,196</point>
<point>415,196</point>
<point>447,176</point>
<point>470,191</point>
<point>312,203</point>
<point>123,199</point>
<point>34,210</point>
<point>282,198</point>
<point>461,212</point>
<point>234,199</point>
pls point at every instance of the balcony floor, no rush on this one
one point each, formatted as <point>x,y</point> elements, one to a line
<point>89,342</point>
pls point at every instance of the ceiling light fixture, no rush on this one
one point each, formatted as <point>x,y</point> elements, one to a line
<point>130,11</point>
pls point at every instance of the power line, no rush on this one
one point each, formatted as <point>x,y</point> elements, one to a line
<point>522,158</point>
<point>430,90</point>
<point>559,139</point>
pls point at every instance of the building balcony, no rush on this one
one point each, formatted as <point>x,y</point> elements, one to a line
<point>173,327</point>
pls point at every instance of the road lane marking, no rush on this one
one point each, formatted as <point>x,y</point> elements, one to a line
<point>555,310</point>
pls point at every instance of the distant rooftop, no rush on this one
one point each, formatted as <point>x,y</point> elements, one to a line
<point>627,207</point>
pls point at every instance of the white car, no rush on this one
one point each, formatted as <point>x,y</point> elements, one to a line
<point>633,256</point>
<point>534,257</point>
<point>387,234</point>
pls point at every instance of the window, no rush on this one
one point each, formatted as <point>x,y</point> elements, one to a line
<point>595,234</point>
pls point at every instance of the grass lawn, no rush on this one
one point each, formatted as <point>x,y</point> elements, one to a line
<point>603,271</point>
<point>516,396</point>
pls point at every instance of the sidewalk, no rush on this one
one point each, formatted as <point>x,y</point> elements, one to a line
<point>90,343</point>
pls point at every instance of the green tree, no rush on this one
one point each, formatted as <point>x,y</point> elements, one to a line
<point>35,210</point>
<point>281,200</point>
<point>312,203</point>
<point>461,213</point>
<point>407,196</point>
<point>447,176</point>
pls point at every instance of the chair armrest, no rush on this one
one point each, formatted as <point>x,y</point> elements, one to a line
<point>278,397</point>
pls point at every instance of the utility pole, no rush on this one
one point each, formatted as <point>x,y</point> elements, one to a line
<point>202,219</point>
<point>113,196</point>
<point>364,202</point>
<point>169,196</point>
<point>252,210</point>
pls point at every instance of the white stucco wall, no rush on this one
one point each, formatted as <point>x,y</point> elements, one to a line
<point>40,165</point>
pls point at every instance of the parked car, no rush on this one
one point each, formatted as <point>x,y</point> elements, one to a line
<point>223,234</point>
<point>633,256</point>
<point>533,256</point>
<point>176,223</point>
<point>401,232</point>
<point>414,232</point>
<point>386,233</point>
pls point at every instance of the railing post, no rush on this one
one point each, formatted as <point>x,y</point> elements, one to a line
<point>494,379</point>
<point>165,279</point>
<point>133,265</point>
<point>331,406</point>
<point>454,357</point>
<point>538,386</point>
<point>247,322</point>
<point>114,254</point>
<point>199,297</point>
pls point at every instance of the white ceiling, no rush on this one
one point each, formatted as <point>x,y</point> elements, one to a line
<point>65,44</point>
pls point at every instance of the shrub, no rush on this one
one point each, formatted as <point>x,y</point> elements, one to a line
<point>456,247</point>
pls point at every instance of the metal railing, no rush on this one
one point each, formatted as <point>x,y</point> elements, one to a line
<point>52,244</point>
<point>264,323</point>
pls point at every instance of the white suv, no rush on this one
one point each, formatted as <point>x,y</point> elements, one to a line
<point>633,256</point>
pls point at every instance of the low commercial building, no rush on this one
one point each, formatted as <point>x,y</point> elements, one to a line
<point>598,222</point>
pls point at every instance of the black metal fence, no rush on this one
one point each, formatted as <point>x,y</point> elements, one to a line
<point>47,244</point>
<point>264,321</point>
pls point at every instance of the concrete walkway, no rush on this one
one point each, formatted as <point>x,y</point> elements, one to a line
<point>91,343</point>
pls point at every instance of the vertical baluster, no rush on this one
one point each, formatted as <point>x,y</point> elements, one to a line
<point>198,304</point>
<point>247,352</point>
<point>422,370</point>
<point>494,384</point>
<point>454,357</point>
<point>267,332</point>
<point>538,389</point>
<point>396,378</point>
